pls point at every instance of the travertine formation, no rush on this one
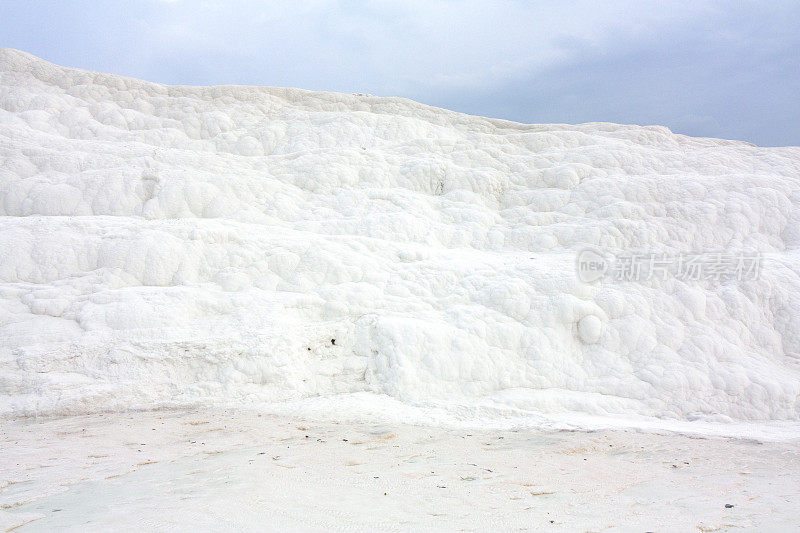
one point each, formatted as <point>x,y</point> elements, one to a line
<point>165,246</point>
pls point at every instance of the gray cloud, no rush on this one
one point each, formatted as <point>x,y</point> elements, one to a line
<point>703,68</point>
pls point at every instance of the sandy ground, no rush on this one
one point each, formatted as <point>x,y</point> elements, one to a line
<point>214,470</point>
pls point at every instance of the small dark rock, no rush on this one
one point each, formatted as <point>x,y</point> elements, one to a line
<point>728,506</point>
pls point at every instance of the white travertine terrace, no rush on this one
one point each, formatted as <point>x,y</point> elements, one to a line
<point>173,246</point>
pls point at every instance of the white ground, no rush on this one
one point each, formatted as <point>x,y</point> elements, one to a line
<point>215,470</point>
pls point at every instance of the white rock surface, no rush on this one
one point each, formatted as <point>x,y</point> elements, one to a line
<point>589,329</point>
<point>170,246</point>
<point>212,470</point>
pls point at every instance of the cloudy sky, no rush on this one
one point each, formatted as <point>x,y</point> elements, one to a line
<point>711,68</point>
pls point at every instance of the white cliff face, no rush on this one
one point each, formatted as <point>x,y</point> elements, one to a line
<point>165,246</point>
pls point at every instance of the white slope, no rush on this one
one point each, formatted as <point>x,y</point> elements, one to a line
<point>172,246</point>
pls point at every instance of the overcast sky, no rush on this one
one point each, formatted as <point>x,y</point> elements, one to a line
<point>711,68</point>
